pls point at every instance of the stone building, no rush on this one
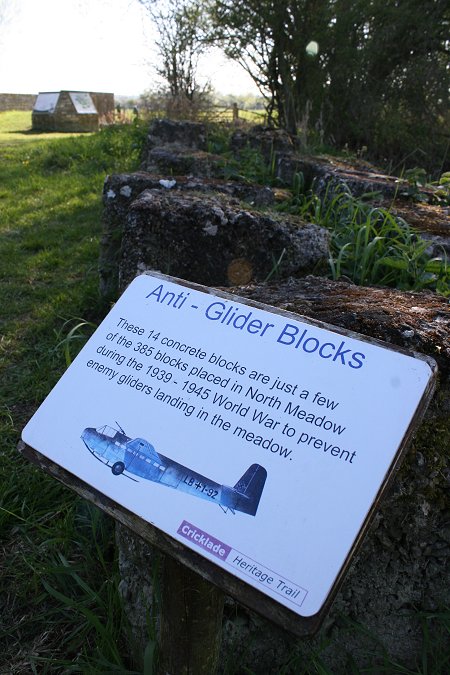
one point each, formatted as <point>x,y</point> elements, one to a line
<point>71,110</point>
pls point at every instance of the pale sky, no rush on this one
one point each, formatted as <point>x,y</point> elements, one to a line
<point>89,45</point>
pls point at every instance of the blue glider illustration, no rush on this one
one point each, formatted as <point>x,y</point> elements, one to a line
<point>138,457</point>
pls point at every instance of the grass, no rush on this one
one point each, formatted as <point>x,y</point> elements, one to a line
<point>368,245</point>
<point>15,129</point>
<point>59,604</point>
<point>60,609</point>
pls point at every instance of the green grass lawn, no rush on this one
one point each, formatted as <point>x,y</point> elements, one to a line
<point>50,213</point>
<point>15,129</point>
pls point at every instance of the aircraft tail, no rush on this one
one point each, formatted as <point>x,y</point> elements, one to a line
<point>249,488</point>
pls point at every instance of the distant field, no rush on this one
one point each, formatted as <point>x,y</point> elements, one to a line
<point>15,127</point>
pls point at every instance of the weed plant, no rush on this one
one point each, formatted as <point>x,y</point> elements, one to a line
<point>251,167</point>
<point>369,245</point>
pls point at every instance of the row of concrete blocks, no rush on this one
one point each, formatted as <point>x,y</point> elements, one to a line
<point>222,233</point>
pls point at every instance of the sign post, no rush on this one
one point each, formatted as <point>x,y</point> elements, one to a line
<point>191,622</point>
<point>252,444</point>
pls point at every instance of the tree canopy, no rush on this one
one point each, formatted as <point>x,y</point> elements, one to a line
<point>354,73</point>
<point>379,77</point>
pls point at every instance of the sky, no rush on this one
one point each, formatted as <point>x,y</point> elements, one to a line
<point>90,45</point>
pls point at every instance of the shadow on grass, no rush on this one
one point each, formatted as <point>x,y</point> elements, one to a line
<point>44,133</point>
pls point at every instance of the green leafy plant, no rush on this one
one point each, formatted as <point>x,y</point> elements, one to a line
<point>442,189</point>
<point>371,246</point>
<point>421,189</point>
<point>417,179</point>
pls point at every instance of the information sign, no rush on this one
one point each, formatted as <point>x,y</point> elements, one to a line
<point>83,102</point>
<point>46,102</point>
<point>256,438</point>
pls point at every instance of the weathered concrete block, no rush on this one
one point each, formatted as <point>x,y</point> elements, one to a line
<point>215,240</point>
<point>330,174</point>
<point>182,133</point>
<point>178,161</point>
<point>180,148</point>
<point>121,190</point>
<point>268,141</point>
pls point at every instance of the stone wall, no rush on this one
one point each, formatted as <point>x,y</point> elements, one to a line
<point>17,102</point>
<point>104,103</point>
<point>65,118</point>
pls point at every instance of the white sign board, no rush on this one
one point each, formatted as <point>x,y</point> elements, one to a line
<point>256,439</point>
<point>83,102</point>
<point>46,102</point>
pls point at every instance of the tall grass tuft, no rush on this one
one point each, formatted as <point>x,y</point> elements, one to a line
<point>76,332</point>
<point>369,245</point>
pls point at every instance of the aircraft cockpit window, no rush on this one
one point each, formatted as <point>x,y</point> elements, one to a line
<point>107,431</point>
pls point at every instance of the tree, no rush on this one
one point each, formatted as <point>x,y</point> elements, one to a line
<point>388,72</point>
<point>269,39</point>
<point>381,77</point>
<point>180,25</point>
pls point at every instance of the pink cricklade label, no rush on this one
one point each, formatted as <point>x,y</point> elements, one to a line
<point>204,540</point>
